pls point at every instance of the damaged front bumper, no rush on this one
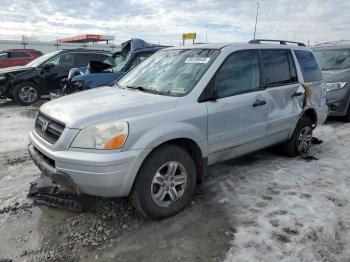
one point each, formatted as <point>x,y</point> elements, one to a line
<point>47,170</point>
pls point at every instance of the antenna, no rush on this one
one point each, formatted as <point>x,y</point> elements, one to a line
<point>256,18</point>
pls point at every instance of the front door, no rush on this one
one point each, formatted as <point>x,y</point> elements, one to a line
<point>239,114</point>
<point>55,70</point>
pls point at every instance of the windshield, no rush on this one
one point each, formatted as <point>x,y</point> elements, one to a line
<point>118,60</point>
<point>335,59</point>
<point>170,72</point>
<point>42,59</point>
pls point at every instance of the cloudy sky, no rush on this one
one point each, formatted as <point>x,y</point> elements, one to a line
<point>165,20</point>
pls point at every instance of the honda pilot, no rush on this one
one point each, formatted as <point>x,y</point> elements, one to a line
<point>153,134</point>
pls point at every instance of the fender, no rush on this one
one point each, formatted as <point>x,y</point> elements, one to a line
<point>161,134</point>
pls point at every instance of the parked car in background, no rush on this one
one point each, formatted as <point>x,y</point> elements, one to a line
<point>97,74</point>
<point>334,60</point>
<point>153,133</point>
<point>17,57</point>
<point>27,83</point>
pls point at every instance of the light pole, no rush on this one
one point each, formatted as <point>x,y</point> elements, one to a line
<point>206,33</point>
<point>256,18</point>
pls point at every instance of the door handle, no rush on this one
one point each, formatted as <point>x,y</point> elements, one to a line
<point>259,102</point>
<point>297,94</point>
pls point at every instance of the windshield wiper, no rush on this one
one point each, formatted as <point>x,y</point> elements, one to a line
<point>146,90</point>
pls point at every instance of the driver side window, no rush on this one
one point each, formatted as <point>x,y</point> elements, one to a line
<point>62,60</point>
<point>239,73</point>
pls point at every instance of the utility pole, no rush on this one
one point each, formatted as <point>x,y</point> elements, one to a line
<point>107,33</point>
<point>256,18</point>
<point>206,33</point>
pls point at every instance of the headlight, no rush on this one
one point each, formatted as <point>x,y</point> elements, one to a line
<point>78,84</point>
<point>2,78</point>
<point>335,86</point>
<point>103,136</point>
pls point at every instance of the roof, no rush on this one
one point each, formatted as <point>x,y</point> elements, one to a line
<point>136,44</point>
<point>20,50</point>
<point>239,45</point>
<point>84,50</point>
<point>331,46</point>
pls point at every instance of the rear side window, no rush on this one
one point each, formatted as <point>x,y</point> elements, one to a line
<point>239,73</point>
<point>279,68</point>
<point>19,55</point>
<point>309,67</point>
<point>84,59</point>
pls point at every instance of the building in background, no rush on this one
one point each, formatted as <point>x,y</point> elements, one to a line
<point>91,42</point>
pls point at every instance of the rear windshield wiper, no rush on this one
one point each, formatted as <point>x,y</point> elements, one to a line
<point>146,90</point>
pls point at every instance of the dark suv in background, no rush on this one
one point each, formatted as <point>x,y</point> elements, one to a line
<point>334,60</point>
<point>27,83</point>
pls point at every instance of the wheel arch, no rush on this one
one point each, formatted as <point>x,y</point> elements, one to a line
<point>312,115</point>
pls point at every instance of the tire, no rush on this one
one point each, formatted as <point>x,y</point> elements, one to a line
<point>26,93</point>
<point>155,182</point>
<point>303,130</point>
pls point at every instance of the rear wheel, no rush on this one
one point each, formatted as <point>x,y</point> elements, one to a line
<point>165,183</point>
<point>26,93</point>
<point>300,142</point>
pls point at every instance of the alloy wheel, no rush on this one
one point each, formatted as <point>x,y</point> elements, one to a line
<point>169,183</point>
<point>28,94</point>
<point>304,140</point>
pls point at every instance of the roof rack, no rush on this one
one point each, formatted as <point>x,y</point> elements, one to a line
<point>282,42</point>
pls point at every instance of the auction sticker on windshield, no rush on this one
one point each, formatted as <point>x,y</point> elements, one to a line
<point>197,60</point>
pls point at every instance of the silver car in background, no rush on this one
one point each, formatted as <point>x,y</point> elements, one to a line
<point>153,134</point>
<point>334,60</point>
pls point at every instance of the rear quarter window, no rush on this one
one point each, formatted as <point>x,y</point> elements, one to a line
<point>308,65</point>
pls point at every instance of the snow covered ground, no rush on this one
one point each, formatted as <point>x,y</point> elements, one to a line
<point>289,209</point>
<point>279,208</point>
<point>16,168</point>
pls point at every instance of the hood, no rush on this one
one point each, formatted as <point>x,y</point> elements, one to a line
<point>98,79</point>
<point>15,69</point>
<point>336,75</point>
<point>103,105</point>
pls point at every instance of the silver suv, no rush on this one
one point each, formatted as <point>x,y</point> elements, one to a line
<point>153,134</point>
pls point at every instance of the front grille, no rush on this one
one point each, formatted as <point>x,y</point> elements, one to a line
<point>48,128</point>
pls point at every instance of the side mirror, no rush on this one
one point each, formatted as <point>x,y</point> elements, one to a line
<point>64,80</point>
<point>48,66</point>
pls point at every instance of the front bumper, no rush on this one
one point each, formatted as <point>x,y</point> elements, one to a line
<point>338,101</point>
<point>100,174</point>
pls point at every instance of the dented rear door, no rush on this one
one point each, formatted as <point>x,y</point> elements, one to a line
<point>284,91</point>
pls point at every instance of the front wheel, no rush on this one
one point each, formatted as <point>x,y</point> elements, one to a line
<point>26,93</point>
<point>300,142</point>
<point>165,183</point>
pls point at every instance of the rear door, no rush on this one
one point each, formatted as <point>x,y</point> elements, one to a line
<point>19,58</point>
<point>239,114</point>
<point>283,89</point>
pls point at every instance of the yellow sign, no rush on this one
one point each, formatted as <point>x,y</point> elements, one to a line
<point>189,36</point>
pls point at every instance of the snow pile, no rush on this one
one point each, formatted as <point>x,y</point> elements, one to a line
<point>289,209</point>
